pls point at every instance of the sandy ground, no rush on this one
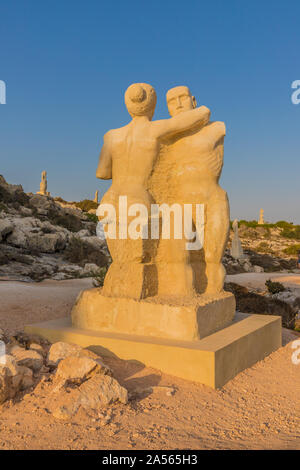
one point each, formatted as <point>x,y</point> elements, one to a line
<point>259,409</point>
<point>22,303</point>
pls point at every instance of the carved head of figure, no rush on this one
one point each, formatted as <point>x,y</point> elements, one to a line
<point>140,100</point>
<point>179,99</point>
<point>44,175</point>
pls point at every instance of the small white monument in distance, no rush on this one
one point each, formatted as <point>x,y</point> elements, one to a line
<point>236,250</point>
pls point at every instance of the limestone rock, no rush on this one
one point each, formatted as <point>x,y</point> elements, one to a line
<point>47,243</point>
<point>5,383</point>
<point>27,377</point>
<point>38,348</point>
<point>83,233</point>
<point>28,358</point>
<point>72,269</point>
<point>61,350</point>
<point>101,390</point>
<point>6,227</point>
<point>12,377</point>
<point>2,336</point>
<point>258,269</point>
<point>63,412</point>
<point>90,268</point>
<point>17,238</point>
<point>78,369</point>
<point>60,277</point>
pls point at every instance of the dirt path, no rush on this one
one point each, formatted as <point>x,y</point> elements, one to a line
<point>22,303</point>
<point>260,408</point>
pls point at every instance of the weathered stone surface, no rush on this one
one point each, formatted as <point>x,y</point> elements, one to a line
<point>47,243</point>
<point>17,238</point>
<point>60,350</point>
<point>35,232</point>
<point>28,358</point>
<point>38,348</point>
<point>5,384</point>
<point>6,227</point>
<point>101,390</point>
<point>78,369</point>
<point>64,413</point>
<point>12,377</point>
<point>258,269</point>
<point>90,268</point>
<point>27,377</point>
<point>83,233</point>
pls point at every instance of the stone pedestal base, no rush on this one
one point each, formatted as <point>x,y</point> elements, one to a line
<point>212,361</point>
<point>184,318</point>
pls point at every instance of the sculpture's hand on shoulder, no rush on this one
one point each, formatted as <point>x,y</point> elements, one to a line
<point>194,118</point>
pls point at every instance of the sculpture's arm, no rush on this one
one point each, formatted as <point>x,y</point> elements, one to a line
<point>104,169</point>
<point>194,118</point>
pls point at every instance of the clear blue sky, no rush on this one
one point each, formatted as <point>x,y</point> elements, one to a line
<point>67,63</point>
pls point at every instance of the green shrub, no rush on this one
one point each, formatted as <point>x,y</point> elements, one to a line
<point>92,218</point>
<point>81,252</point>
<point>291,232</point>
<point>292,250</point>
<point>274,287</point>
<point>263,247</point>
<point>284,224</point>
<point>68,221</point>
<point>251,223</point>
<point>99,276</point>
<point>250,302</point>
<point>86,205</point>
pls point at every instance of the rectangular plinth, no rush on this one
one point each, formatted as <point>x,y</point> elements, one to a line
<point>212,361</point>
<point>180,318</point>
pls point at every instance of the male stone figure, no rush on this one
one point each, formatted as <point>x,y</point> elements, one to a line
<point>43,185</point>
<point>193,161</point>
<point>128,157</point>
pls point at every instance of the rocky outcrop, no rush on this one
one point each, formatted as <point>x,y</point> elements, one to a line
<point>78,377</point>
<point>256,263</point>
<point>37,238</point>
<point>252,302</point>
<point>13,377</point>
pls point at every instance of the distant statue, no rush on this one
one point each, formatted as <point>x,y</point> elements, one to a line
<point>261,217</point>
<point>236,250</point>
<point>43,185</point>
<point>96,197</point>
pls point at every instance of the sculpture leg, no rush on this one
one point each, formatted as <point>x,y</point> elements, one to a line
<point>132,273</point>
<point>216,237</point>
